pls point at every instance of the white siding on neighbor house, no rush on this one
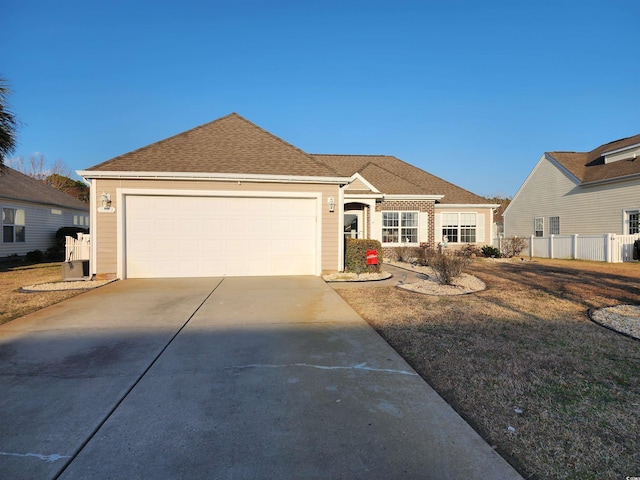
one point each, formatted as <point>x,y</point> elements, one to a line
<point>550,191</point>
<point>40,226</point>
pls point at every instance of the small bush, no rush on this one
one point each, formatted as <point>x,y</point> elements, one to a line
<point>468,250</point>
<point>409,254</point>
<point>356,255</point>
<point>491,252</point>
<point>513,246</point>
<point>35,256</point>
<point>448,267</point>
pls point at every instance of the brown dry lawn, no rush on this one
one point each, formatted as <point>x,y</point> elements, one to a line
<point>13,276</point>
<point>524,354</point>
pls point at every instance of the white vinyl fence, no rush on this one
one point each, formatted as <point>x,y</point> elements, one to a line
<point>603,248</point>
<point>77,248</point>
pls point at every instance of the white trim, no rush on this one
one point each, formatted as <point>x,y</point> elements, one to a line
<point>362,196</point>
<point>121,194</point>
<point>399,227</point>
<point>443,206</point>
<point>340,230</point>
<point>249,177</point>
<point>365,181</point>
<point>93,263</point>
<point>622,149</point>
<point>625,219</point>
<point>391,197</point>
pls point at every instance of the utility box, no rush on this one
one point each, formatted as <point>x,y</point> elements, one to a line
<point>75,270</point>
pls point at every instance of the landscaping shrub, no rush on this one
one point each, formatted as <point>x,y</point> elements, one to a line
<point>410,254</point>
<point>513,246</point>
<point>491,252</point>
<point>468,250</point>
<point>356,255</point>
<point>35,256</point>
<point>447,267</point>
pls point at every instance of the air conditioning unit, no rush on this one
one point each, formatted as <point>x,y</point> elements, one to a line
<point>76,270</point>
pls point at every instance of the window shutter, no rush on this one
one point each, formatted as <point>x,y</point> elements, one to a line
<point>480,228</point>
<point>437,235</point>
<point>423,230</point>
<point>376,226</point>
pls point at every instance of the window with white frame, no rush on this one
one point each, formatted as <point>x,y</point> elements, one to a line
<point>399,227</point>
<point>538,226</point>
<point>13,225</point>
<point>554,225</point>
<point>633,222</point>
<point>459,227</point>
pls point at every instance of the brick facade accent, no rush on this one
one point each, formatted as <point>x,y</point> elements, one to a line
<point>413,205</point>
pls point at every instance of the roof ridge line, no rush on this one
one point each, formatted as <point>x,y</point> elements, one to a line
<point>308,155</point>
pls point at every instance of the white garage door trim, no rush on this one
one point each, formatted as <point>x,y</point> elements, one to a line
<point>122,193</point>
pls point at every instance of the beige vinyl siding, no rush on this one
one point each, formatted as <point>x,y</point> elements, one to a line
<point>357,184</point>
<point>549,191</point>
<point>106,223</point>
<point>40,226</point>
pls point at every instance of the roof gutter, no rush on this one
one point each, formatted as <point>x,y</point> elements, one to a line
<point>412,197</point>
<point>623,178</point>
<point>218,177</point>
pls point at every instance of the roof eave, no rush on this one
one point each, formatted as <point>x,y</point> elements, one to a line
<point>220,177</point>
<point>623,178</point>
<point>402,196</point>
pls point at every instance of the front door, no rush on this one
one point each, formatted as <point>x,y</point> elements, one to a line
<point>353,225</point>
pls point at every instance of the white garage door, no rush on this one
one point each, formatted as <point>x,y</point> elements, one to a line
<point>176,236</point>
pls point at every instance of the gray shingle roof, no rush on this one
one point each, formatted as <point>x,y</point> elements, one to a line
<point>230,144</point>
<point>590,166</point>
<point>17,186</point>
<point>393,176</point>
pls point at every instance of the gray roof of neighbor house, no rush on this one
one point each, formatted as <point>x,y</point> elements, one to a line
<point>590,166</point>
<point>393,176</point>
<point>230,144</point>
<point>18,186</point>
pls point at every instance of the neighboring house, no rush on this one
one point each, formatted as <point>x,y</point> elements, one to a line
<point>33,211</point>
<point>229,198</point>
<point>567,193</point>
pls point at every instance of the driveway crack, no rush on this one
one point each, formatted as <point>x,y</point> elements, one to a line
<point>72,457</point>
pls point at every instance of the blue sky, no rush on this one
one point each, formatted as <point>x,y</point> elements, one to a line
<point>471,91</point>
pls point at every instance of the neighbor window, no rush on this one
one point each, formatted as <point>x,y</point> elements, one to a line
<point>634,222</point>
<point>554,225</point>
<point>13,225</point>
<point>399,227</point>
<point>538,226</point>
<point>459,227</point>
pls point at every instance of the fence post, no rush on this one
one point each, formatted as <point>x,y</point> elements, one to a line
<point>574,248</point>
<point>531,246</point>
<point>607,248</point>
<point>551,246</point>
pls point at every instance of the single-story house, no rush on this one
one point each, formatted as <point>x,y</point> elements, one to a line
<point>229,198</point>
<point>588,193</point>
<point>32,213</point>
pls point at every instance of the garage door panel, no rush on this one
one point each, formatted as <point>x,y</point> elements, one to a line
<point>180,236</point>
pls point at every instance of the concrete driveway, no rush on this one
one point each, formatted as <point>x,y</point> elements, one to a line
<point>235,378</point>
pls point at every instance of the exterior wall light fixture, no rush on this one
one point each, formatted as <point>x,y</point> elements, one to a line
<point>332,204</point>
